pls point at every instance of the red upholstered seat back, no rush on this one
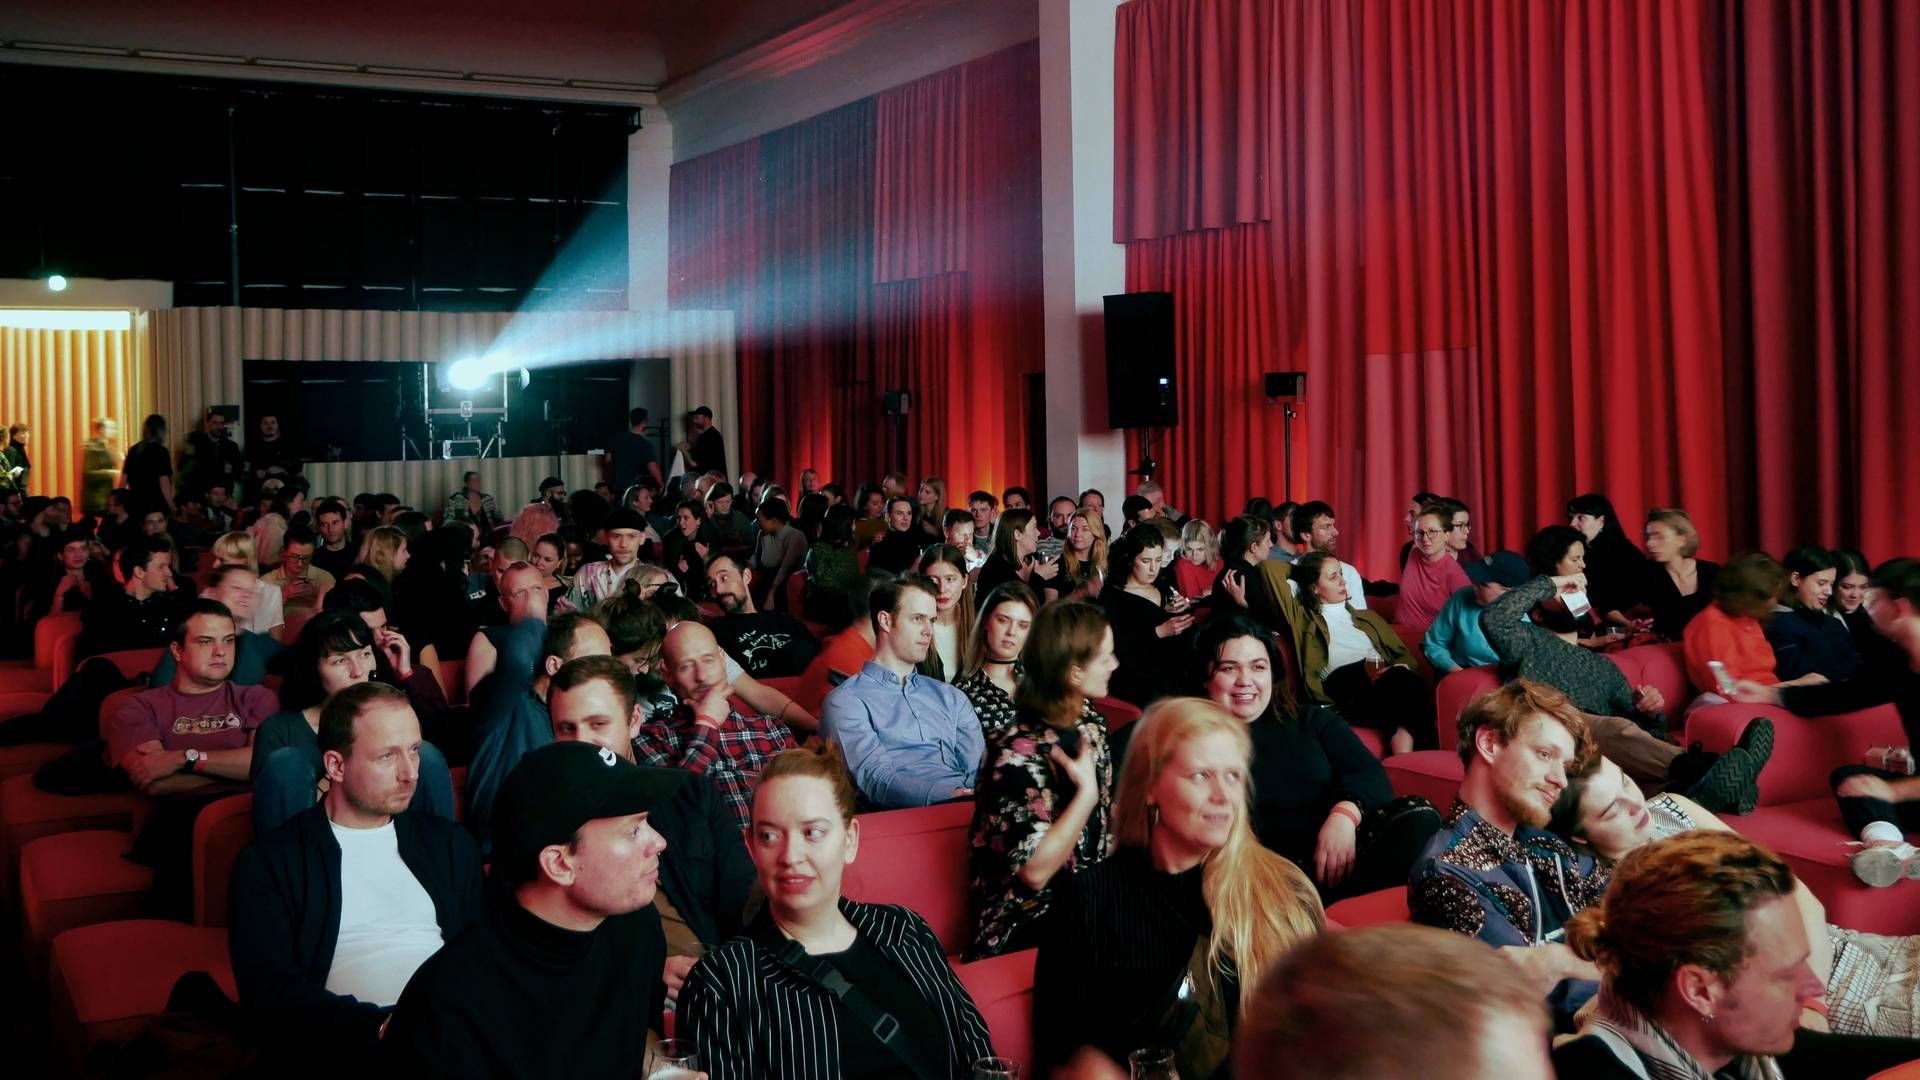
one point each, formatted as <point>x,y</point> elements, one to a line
<point>1002,989</point>
<point>1662,666</point>
<point>918,858</point>
<point>48,631</point>
<point>1387,905</point>
<point>1456,691</point>
<point>1118,713</point>
<point>219,833</point>
<point>1805,749</point>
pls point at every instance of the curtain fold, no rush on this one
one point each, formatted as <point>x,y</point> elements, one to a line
<point>58,382</point>
<point>1525,250</point>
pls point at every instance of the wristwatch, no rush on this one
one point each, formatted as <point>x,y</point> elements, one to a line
<point>194,758</point>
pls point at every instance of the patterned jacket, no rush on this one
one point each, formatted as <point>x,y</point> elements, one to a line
<point>1505,890</point>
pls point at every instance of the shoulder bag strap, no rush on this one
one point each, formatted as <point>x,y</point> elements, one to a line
<point>823,974</point>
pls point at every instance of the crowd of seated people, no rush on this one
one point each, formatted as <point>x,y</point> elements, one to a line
<point>1174,873</point>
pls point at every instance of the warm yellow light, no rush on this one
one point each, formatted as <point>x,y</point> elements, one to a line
<point>66,319</point>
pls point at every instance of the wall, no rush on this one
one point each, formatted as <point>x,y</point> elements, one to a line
<point>86,293</point>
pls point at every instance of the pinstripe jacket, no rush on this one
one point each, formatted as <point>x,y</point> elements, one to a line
<point>751,1017</point>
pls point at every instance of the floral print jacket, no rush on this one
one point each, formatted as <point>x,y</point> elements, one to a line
<point>1019,792</point>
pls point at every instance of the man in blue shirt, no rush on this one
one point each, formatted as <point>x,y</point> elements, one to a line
<point>1455,639</point>
<point>909,740</point>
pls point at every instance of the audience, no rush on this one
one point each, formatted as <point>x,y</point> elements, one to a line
<point>1535,634</point>
<point>930,510</point>
<point>1674,584</point>
<point>1704,957</point>
<point>729,523</point>
<point>557,975</point>
<point>990,674</point>
<point>1806,636</point>
<point>1604,810</point>
<point>1083,557</point>
<point>1150,628</point>
<point>758,1005</point>
<point>686,549</point>
<point>302,585</point>
<point>472,505</point>
<point>909,740</point>
<point>1349,658</point>
<point>384,550</point>
<point>832,567</point>
<point>1730,630</point>
<point>899,549</point>
<point>1518,744</point>
<point>1198,566</point>
<point>1614,564</point>
<point>1393,1001</point>
<point>1152,946</point>
<point>143,613</point>
<point>269,609</point>
<point>704,887</point>
<point>945,566</point>
<point>1244,545</point>
<point>1314,783</point>
<point>1433,575</point>
<point>768,644</point>
<point>705,733</point>
<point>332,914</point>
<point>598,580</point>
<point>253,653</point>
<point>336,652</point>
<point>1853,577</point>
<point>1046,784</point>
<point>1457,639</point>
<point>845,653</point>
<point>1014,555</point>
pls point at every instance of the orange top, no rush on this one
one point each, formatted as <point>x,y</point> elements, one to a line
<point>1740,644</point>
<point>845,654</point>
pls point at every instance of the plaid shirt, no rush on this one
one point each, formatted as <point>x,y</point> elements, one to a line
<point>731,755</point>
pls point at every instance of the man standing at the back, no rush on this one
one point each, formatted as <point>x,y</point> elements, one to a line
<point>631,456</point>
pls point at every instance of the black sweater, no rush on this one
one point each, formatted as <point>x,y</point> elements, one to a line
<point>708,875</point>
<point>286,920</point>
<point>518,996</point>
<point>1151,666</point>
<point>1113,952</point>
<point>1301,767</point>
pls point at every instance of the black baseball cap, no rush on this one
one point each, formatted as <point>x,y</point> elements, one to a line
<point>1500,568</point>
<point>702,411</point>
<point>556,789</point>
<point>624,518</point>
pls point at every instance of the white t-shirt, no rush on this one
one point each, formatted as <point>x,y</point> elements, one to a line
<point>268,610</point>
<point>1346,643</point>
<point>387,924</point>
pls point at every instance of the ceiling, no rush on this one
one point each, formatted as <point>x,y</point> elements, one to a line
<point>648,42</point>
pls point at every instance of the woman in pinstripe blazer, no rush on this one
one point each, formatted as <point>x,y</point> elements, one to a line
<point>758,1006</point>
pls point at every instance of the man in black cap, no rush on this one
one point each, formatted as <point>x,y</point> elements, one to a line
<point>559,978</point>
<point>1455,641</point>
<point>705,452</point>
<point>626,531</point>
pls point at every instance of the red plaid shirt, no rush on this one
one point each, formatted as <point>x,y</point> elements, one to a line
<point>731,755</point>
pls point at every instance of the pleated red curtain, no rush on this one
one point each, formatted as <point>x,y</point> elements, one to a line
<point>1522,250</point>
<point>892,244</point>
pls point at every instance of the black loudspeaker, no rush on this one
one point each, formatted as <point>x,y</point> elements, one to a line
<point>1286,383</point>
<point>1140,380</point>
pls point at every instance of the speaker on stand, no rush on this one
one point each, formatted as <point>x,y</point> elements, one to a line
<point>1142,387</point>
<point>898,405</point>
<point>1288,388</point>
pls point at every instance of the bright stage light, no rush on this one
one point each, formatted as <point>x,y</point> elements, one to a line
<point>467,373</point>
<point>57,282</point>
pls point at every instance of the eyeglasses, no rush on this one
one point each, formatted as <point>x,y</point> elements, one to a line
<point>1430,533</point>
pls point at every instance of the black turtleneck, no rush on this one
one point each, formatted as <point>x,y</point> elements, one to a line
<point>1113,951</point>
<point>518,996</point>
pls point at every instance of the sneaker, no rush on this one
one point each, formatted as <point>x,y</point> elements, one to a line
<point>1731,785</point>
<point>1880,863</point>
<point>1757,738</point>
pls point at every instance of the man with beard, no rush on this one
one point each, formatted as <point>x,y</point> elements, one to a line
<point>1494,872</point>
<point>335,910</point>
<point>1313,524</point>
<point>909,740</point>
<point>705,734</point>
<point>769,644</point>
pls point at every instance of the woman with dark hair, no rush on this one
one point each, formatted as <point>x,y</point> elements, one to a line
<point>1320,797</point>
<point>1044,790</point>
<point>1350,657</point>
<point>1561,551</point>
<point>832,568</point>
<point>1016,539</point>
<point>1149,627</point>
<point>990,664</point>
<point>1853,576</point>
<point>430,594</point>
<point>1806,637</point>
<point>687,548</point>
<point>1244,544</point>
<point>946,566</point>
<point>337,650</point>
<point>548,554</point>
<point>812,509</point>
<point>1731,630</point>
<point>1614,564</point>
<point>869,515</point>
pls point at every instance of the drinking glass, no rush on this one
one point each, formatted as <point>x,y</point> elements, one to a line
<point>673,1059</point>
<point>1152,1063</point>
<point>996,1068</point>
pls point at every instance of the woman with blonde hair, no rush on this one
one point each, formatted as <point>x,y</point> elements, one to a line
<point>269,614</point>
<point>1675,585</point>
<point>385,549</point>
<point>930,509</point>
<point>1199,561</point>
<point>1151,947</point>
<point>1083,559</point>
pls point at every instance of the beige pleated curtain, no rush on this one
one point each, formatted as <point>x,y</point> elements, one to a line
<point>58,382</point>
<point>198,352</point>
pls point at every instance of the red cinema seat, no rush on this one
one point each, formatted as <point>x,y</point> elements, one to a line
<point>28,813</point>
<point>222,830</point>
<point>1387,607</point>
<point>1385,906</point>
<point>1433,774</point>
<point>1118,713</point>
<point>1661,666</point>
<point>25,757</point>
<point>452,676</point>
<point>917,858</point>
<point>1372,739</point>
<point>1457,690</point>
<point>1798,815</point>
<point>1002,989</point>
<point>77,879</point>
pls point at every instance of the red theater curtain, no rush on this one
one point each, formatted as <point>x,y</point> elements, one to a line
<point>714,209</point>
<point>1822,145</point>
<point>1498,240</point>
